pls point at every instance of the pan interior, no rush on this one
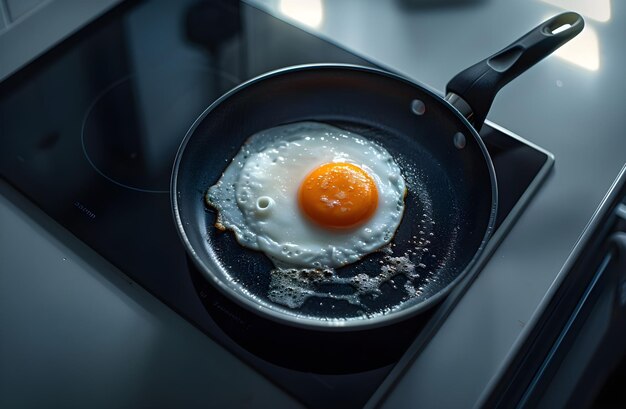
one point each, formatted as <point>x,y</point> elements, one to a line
<point>447,207</point>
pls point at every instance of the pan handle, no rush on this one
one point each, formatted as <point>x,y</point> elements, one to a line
<point>473,90</point>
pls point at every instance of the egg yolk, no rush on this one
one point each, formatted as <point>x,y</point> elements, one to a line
<point>338,195</point>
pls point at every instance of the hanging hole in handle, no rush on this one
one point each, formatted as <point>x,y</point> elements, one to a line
<point>560,29</point>
<point>568,25</point>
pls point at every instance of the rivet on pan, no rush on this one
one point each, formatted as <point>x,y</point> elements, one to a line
<point>459,140</point>
<point>418,107</point>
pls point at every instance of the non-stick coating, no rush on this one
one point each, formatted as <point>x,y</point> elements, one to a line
<point>450,204</point>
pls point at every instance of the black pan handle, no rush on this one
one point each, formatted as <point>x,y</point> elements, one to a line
<point>474,89</point>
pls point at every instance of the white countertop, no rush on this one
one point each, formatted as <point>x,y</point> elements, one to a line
<point>114,343</point>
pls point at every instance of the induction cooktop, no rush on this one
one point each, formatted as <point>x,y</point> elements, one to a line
<point>89,132</point>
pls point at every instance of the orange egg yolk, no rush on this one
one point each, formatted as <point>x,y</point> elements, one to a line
<point>338,195</point>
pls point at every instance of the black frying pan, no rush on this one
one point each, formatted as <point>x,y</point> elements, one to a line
<point>448,171</point>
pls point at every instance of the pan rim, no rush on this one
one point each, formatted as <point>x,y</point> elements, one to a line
<point>351,324</point>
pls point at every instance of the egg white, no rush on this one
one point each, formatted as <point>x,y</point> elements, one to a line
<point>257,195</point>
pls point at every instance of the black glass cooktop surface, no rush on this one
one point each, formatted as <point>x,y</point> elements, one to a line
<point>89,132</point>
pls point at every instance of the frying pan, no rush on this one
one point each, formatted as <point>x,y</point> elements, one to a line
<point>451,202</point>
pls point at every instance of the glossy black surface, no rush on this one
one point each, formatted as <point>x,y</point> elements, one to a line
<point>89,131</point>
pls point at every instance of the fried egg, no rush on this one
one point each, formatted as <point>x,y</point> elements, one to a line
<point>310,195</point>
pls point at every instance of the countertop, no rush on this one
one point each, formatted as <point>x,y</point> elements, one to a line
<point>114,344</point>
